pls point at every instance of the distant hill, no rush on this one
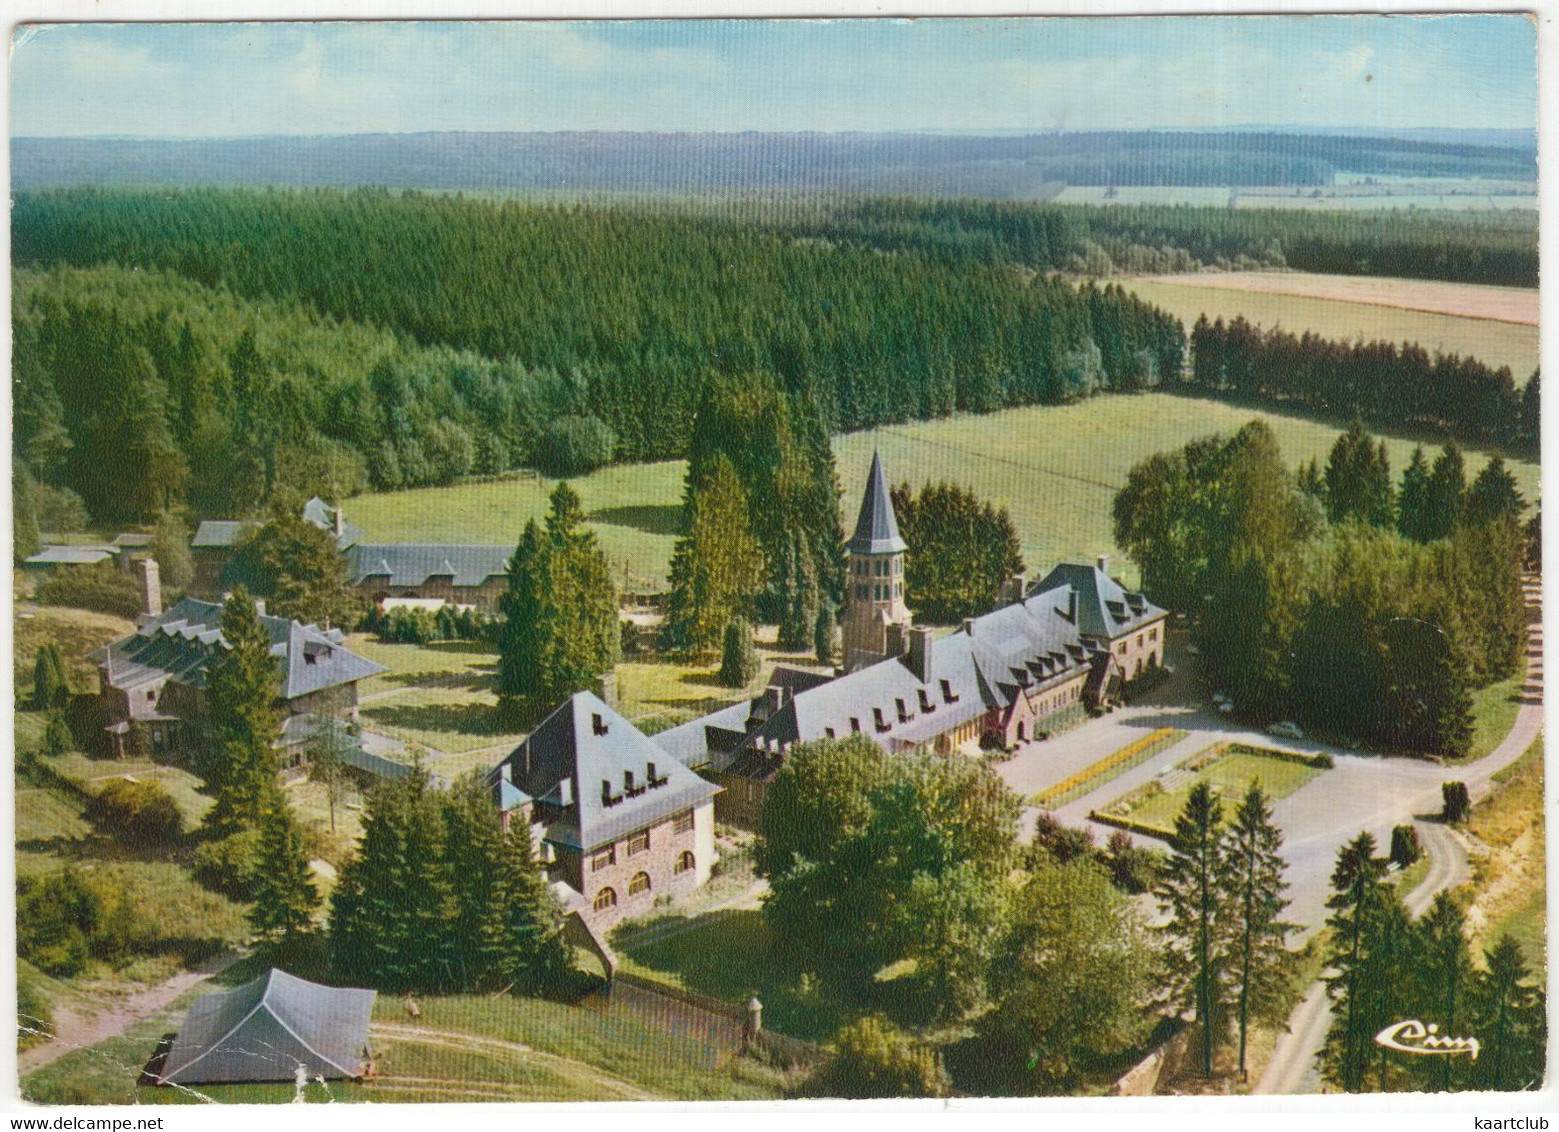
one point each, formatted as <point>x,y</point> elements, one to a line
<point>1023,167</point>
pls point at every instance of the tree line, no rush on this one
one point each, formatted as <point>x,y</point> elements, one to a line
<point>1390,386</point>
<point>1464,247</point>
<point>1335,600</point>
<point>523,314</point>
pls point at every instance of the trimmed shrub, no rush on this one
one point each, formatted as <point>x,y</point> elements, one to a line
<point>142,814</point>
<point>1405,848</point>
<point>873,1059</point>
<point>56,736</point>
<point>1455,802</point>
<point>227,865</point>
<point>739,659</point>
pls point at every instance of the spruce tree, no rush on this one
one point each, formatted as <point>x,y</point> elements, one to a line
<point>1509,1014</point>
<point>1444,976</point>
<point>1194,890</point>
<point>716,566</point>
<point>520,939</point>
<point>1493,495</point>
<point>285,898</point>
<point>1358,894</point>
<point>520,628</point>
<point>1413,498</point>
<point>238,763</point>
<point>392,908</point>
<point>50,688</point>
<point>1261,965</point>
<point>798,619</point>
<point>1443,495</point>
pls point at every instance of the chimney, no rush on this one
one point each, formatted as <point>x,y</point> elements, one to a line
<point>969,626</point>
<point>151,586</point>
<point>920,654</point>
<point>340,522</point>
<point>1012,589</point>
<point>895,639</point>
<point>1104,564</point>
<point>259,606</point>
<point>1071,605</point>
<point>565,792</point>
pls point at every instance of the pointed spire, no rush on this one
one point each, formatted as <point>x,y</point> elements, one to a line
<point>877,530</point>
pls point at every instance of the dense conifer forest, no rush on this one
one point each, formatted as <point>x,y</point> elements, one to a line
<point>338,340</point>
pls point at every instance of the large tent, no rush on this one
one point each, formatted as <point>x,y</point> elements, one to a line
<point>265,1030</point>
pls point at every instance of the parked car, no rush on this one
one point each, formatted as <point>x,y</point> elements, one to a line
<point>1286,730</point>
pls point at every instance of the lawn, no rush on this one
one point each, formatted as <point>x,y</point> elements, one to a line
<point>437,695</point>
<point>45,815</point>
<point>661,691</point>
<point>1229,774</point>
<point>728,955</point>
<point>1057,468</point>
<point>76,631</point>
<point>1493,713</point>
<point>1497,343</point>
<point>1511,880</point>
<point>93,774</point>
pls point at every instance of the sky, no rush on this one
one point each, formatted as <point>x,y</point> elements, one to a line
<point>223,80</point>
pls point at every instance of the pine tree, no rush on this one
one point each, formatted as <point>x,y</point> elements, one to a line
<point>520,628</point>
<point>1443,496</point>
<point>716,566</point>
<point>1444,974</point>
<point>1358,893</point>
<point>1413,498</point>
<point>739,659</point>
<point>1509,1014</point>
<point>799,618</point>
<point>391,911</point>
<point>1493,495</point>
<point>520,939</point>
<point>1194,890</point>
<point>285,898</point>
<point>1261,963</point>
<point>50,688</point>
<point>240,705</point>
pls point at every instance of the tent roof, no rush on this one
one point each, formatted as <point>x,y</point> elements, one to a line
<point>263,1030</point>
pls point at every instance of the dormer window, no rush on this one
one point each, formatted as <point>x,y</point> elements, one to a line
<point>948,695</point>
<point>855,723</point>
<point>904,715</point>
<point>882,724</point>
<point>925,701</point>
<point>597,723</point>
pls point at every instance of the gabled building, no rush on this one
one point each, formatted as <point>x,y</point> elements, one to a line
<point>1034,665</point>
<point>617,821</point>
<point>157,676</point>
<point>473,575</point>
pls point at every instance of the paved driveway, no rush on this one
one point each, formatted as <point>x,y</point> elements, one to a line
<point>1362,792</point>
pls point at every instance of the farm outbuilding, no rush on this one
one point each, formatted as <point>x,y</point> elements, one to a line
<point>266,1030</point>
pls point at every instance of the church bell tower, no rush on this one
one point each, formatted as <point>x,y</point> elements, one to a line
<point>874,593</point>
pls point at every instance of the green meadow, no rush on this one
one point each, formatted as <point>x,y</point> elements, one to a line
<point>1056,467</point>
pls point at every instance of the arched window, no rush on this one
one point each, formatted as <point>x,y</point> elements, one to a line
<point>639,883</point>
<point>685,863</point>
<point>606,898</point>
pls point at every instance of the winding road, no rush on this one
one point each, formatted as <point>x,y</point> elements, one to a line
<point>1293,1067</point>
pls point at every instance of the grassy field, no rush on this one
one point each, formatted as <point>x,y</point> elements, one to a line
<point>1056,467</point>
<point>1493,713</point>
<point>1511,879</point>
<point>1229,775</point>
<point>1497,343</point>
<point>76,631</point>
<point>1462,300</point>
<point>93,774</point>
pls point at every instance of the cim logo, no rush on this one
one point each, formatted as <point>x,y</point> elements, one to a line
<point>1414,1037</point>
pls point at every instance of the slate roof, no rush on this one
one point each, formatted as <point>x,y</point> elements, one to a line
<point>583,743</point>
<point>264,1030</point>
<point>412,564</point>
<point>876,529</point>
<point>323,516</point>
<point>215,534</point>
<point>985,666</point>
<point>1105,608</point>
<point>182,642</point>
<point>71,556</point>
